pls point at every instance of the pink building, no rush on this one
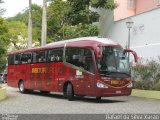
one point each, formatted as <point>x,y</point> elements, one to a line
<point>127,8</point>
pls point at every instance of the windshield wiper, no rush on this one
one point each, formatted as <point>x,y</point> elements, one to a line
<point>124,73</point>
<point>110,72</point>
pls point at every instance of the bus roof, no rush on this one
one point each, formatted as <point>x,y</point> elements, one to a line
<point>83,39</point>
<point>77,42</point>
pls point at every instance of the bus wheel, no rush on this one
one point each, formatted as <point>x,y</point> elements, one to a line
<point>21,87</point>
<point>98,98</point>
<point>70,92</point>
<point>44,92</point>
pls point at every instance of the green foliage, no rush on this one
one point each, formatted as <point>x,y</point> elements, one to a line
<point>2,10</point>
<point>18,34</point>
<point>56,18</point>
<point>4,42</point>
<point>107,4</point>
<point>81,13</point>
<point>36,21</point>
<point>65,19</point>
<point>70,19</point>
<point>147,76</point>
<point>79,30</point>
<point>19,17</point>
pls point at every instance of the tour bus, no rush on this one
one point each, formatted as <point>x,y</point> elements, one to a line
<point>88,66</point>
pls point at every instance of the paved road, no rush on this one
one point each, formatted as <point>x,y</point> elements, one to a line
<point>36,103</point>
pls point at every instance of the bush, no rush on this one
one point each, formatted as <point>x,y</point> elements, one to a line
<point>147,75</point>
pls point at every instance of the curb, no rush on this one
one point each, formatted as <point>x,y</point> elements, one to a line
<point>146,93</point>
<point>3,93</point>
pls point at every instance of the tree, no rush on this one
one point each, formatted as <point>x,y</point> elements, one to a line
<point>36,21</point>
<point>66,19</point>
<point>29,40</point>
<point>4,42</point>
<point>2,10</point>
<point>44,24</point>
<point>81,13</point>
<point>73,18</point>
<point>79,31</point>
<point>56,19</point>
<point>18,34</point>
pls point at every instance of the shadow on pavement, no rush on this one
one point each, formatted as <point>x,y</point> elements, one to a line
<point>76,98</point>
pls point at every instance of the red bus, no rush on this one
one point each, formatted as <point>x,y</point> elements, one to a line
<point>89,66</point>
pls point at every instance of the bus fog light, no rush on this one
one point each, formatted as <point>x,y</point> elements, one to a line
<point>101,85</point>
<point>130,85</point>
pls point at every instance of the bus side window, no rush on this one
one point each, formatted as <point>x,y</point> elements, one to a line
<point>26,58</point>
<point>39,56</point>
<point>16,59</point>
<point>55,55</point>
<point>74,56</point>
<point>11,59</point>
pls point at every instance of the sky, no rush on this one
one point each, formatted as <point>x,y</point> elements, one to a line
<point>15,6</point>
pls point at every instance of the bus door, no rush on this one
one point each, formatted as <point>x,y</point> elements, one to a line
<point>89,75</point>
<point>82,70</point>
<point>74,60</point>
<point>82,73</point>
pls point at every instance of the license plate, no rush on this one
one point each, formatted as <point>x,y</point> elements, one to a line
<point>117,82</point>
<point>118,92</point>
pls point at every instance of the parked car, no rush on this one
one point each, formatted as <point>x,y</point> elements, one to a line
<point>4,78</point>
<point>1,80</point>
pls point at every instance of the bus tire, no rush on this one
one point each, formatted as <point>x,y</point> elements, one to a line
<point>21,87</point>
<point>70,92</point>
<point>98,99</point>
<point>44,92</point>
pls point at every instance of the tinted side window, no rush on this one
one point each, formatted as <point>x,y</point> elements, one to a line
<point>11,59</point>
<point>75,56</point>
<point>55,55</point>
<point>17,59</point>
<point>39,57</point>
<point>80,57</point>
<point>26,58</point>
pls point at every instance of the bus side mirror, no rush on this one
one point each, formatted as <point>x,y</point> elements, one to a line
<point>98,53</point>
<point>134,54</point>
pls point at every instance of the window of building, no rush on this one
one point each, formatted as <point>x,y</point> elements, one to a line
<point>131,4</point>
<point>157,2</point>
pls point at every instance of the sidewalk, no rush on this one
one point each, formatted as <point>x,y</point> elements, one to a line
<point>2,91</point>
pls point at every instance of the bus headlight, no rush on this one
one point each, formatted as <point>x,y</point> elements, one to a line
<point>101,85</point>
<point>130,85</point>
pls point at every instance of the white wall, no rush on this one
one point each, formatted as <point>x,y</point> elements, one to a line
<point>145,34</point>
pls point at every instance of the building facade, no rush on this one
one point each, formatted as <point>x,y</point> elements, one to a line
<point>145,33</point>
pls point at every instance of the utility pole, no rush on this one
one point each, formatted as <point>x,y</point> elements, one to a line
<point>129,25</point>
<point>29,42</point>
<point>44,24</point>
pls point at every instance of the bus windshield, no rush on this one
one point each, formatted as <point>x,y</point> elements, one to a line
<point>114,60</point>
